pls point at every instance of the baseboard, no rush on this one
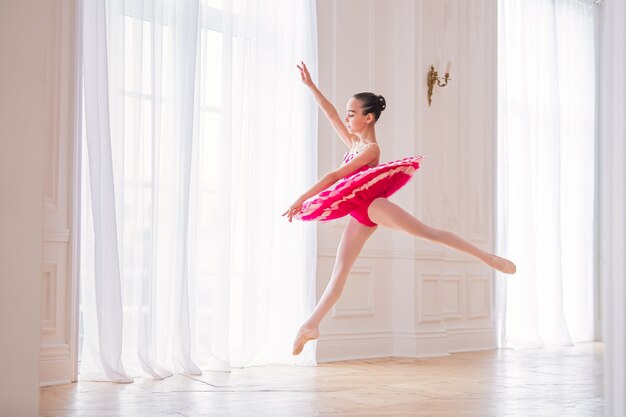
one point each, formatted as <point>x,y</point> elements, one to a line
<point>54,361</point>
<point>470,340</point>
<point>356,345</point>
<point>419,344</point>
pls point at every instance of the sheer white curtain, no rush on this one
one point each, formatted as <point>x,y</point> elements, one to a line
<point>197,135</point>
<point>546,172</point>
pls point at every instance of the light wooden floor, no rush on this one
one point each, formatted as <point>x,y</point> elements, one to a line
<point>564,382</point>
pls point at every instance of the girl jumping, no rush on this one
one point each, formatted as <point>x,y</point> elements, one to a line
<point>360,187</point>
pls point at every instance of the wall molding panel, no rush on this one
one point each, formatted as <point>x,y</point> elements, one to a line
<point>429,299</point>
<point>479,298</point>
<point>357,300</point>
<point>49,298</point>
<point>453,294</point>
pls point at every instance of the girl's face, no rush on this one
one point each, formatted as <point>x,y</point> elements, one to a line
<point>355,121</point>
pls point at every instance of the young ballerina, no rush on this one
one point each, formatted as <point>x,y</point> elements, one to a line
<point>360,187</point>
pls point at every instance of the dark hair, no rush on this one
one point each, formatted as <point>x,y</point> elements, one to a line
<point>371,103</point>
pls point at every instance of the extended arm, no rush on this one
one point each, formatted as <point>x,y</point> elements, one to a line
<point>365,157</point>
<point>327,108</point>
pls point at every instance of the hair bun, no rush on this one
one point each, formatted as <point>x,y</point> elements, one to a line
<point>371,103</point>
<point>382,103</point>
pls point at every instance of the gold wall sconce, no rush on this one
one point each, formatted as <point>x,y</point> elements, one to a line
<point>433,79</point>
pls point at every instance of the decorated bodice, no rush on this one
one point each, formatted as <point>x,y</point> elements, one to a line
<point>348,157</point>
<point>354,151</point>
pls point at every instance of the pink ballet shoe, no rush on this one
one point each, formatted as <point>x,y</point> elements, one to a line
<point>303,337</point>
<point>503,265</point>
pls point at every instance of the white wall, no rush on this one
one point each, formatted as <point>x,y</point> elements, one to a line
<point>407,297</point>
<point>24,123</point>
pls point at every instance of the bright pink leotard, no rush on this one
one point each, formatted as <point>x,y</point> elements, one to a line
<point>353,194</point>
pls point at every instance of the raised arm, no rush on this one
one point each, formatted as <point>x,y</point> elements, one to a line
<point>329,110</point>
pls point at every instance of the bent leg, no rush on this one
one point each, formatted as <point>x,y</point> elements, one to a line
<point>388,214</point>
<point>352,241</point>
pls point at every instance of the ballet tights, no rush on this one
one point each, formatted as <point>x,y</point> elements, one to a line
<point>385,213</point>
<point>354,237</point>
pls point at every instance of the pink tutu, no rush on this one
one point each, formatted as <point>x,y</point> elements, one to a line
<point>354,193</point>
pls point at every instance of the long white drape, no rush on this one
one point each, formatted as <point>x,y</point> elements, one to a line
<point>546,170</point>
<point>198,134</point>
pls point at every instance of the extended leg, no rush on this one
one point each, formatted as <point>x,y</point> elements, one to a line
<point>386,213</point>
<point>354,237</point>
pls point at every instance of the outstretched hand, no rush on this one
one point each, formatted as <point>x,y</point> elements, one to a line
<point>293,210</point>
<point>305,75</point>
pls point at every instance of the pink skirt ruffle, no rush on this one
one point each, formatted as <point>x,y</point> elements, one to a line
<point>355,192</point>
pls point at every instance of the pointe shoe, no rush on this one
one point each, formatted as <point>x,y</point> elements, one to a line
<point>303,337</point>
<point>503,265</point>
